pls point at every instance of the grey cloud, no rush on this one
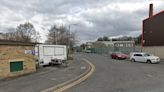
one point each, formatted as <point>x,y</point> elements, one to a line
<point>123,24</point>
<point>90,24</point>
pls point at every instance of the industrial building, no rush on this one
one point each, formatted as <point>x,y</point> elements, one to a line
<point>107,47</point>
<point>153,33</point>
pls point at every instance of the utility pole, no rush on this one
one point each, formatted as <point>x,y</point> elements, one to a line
<point>69,28</point>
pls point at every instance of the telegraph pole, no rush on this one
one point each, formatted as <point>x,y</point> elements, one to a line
<point>69,29</point>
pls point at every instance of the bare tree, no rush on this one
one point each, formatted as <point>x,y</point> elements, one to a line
<point>8,36</point>
<point>100,39</point>
<point>138,40</point>
<point>24,32</point>
<point>105,38</point>
<point>60,35</point>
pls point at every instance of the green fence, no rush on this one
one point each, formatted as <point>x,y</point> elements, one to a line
<point>101,50</point>
<point>108,50</point>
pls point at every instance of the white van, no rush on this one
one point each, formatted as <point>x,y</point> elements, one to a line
<point>51,54</point>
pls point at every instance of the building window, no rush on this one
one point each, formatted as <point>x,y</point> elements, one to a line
<point>121,45</point>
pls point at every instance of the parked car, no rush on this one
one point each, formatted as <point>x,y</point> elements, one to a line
<point>144,57</point>
<point>118,55</point>
<point>87,51</point>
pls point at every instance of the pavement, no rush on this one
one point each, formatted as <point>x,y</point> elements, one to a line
<point>44,78</point>
<point>121,76</point>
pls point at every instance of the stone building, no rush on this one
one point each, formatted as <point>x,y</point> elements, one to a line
<point>16,58</point>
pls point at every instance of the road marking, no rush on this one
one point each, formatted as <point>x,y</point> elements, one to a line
<point>53,79</point>
<point>82,67</point>
<point>92,69</point>
<point>149,75</point>
<point>70,83</point>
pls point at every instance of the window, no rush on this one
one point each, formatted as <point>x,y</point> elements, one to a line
<point>48,51</point>
<point>121,45</point>
<point>147,55</point>
<point>59,51</point>
<point>129,45</point>
<point>137,54</point>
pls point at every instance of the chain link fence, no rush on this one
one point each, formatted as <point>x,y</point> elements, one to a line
<point>109,50</point>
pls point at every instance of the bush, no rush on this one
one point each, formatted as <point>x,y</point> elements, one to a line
<point>70,57</point>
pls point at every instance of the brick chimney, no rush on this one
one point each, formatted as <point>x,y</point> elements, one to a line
<point>151,10</point>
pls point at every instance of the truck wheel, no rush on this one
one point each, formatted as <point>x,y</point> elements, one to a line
<point>50,64</point>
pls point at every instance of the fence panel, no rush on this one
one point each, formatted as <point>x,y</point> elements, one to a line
<point>109,50</point>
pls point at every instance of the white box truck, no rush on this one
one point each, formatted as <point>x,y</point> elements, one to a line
<point>51,54</point>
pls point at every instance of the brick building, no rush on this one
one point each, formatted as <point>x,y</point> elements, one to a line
<point>153,33</point>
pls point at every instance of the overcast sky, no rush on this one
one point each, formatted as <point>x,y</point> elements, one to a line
<point>94,18</point>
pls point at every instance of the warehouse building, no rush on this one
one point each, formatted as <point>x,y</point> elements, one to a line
<point>153,33</point>
<point>122,46</point>
<point>106,47</point>
<point>16,58</point>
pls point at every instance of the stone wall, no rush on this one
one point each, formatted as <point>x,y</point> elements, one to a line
<point>16,53</point>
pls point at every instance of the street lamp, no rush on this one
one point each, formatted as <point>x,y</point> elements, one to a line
<point>69,42</point>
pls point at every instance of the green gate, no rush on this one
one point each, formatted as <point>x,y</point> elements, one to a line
<point>16,66</point>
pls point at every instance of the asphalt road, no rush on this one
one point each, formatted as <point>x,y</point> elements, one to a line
<point>44,78</point>
<point>121,76</point>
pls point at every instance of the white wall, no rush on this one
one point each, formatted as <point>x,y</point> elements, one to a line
<point>156,50</point>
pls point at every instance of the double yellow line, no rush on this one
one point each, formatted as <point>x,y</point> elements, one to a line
<point>78,79</point>
<point>70,83</point>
